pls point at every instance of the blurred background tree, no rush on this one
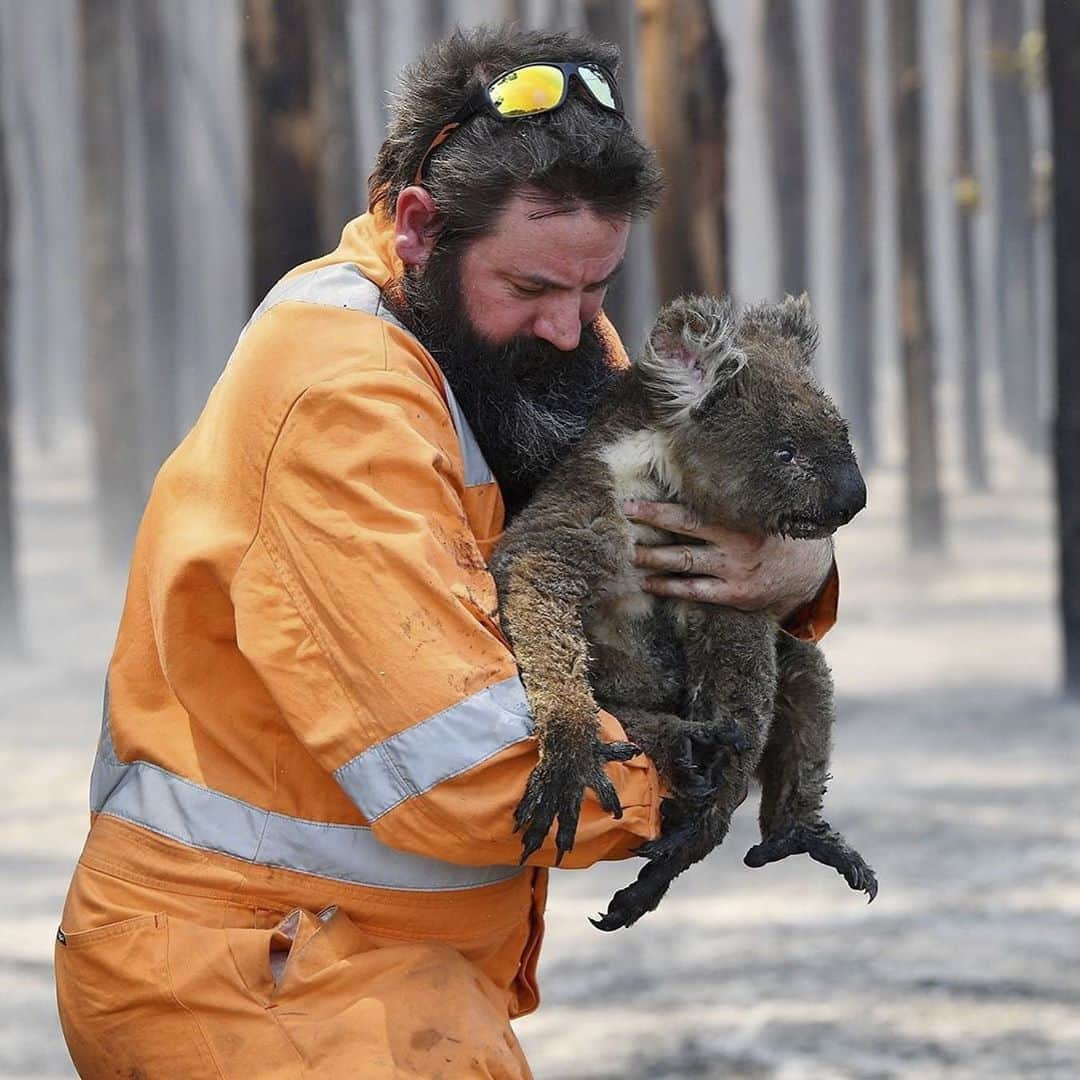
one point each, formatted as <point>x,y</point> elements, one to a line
<point>9,608</point>
<point>784,95</point>
<point>925,514</point>
<point>1063,46</point>
<point>855,255</point>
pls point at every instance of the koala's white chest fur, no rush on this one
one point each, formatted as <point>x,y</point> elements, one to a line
<point>640,469</point>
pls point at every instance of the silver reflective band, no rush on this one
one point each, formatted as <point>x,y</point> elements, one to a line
<point>344,286</point>
<point>437,749</point>
<point>165,803</point>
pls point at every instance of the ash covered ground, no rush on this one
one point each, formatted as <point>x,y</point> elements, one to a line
<point>955,775</point>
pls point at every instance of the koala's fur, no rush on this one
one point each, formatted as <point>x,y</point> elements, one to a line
<point>708,417</point>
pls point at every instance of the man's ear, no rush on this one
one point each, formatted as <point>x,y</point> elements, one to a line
<point>690,353</point>
<point>416,225</point>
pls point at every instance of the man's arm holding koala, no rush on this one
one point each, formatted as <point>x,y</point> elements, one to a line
<point>389,650</point>
<point>795,580</point>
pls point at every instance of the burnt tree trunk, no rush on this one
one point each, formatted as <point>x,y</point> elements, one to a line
<point>338,200</point>
<point>629,301</point>
<point>1063,53</point>
<point>285,175</point>
<point>967,194</point>
<point>847,26</point>
<point>9,607</point>
<point>1013,256</point>
<point>685,114</point>
<point>925,518</point>
<point>161,361</point>
<point>112,377</point>
<point>786,128</point>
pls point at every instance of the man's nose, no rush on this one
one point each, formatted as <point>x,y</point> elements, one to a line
<point>560,323</point>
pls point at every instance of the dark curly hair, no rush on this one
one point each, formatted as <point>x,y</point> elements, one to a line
<point>576,154</point>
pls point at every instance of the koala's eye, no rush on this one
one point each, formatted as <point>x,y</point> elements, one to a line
<point>786,454</point>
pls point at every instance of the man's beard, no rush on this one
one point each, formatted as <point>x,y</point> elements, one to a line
<point>526,401</point>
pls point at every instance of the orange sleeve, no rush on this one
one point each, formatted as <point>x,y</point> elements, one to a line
<point>394,674</point>
<point>815,618</point>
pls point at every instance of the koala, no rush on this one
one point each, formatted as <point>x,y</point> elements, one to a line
<point>721,414</point>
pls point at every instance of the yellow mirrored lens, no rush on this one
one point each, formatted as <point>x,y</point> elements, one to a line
<point>598,85</point>
<point>528,90</point>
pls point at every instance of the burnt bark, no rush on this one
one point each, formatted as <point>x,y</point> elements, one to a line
<point>338,189</point>
<point>9,606</point>
<point>1063,54</point>
<point>685,118</point>
<point>847,25</point>
<point>787,141</point>
<point>967,194</point>
<point>112,376</point>
<point>925,517</point>
<point>161,358</point>
<point>284,159</point>
<point>1014,240</point>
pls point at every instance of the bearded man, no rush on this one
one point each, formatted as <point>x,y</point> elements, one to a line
<point>301,860</point>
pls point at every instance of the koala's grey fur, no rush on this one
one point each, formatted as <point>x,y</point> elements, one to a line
<point>708,417</point>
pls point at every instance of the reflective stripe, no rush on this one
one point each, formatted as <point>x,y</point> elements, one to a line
<point>443,746</point>
<point>344,286</point>
<point>477,470</point>
<point>150,796</point>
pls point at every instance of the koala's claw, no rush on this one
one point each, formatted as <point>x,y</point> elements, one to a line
<point>823,845</point>
<point>556,788</point>
<point>638,898</point>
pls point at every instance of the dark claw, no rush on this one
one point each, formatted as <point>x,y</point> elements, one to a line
<point>619,751</point>
<point>822,845</point>
<point>725,738</point>
<point>638,898</point>
<point>555,791</point>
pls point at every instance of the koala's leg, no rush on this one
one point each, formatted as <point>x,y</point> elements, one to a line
<point>731,683</point>
<point>794,770</point>
<point>539,608</point>
<point>731,664</point>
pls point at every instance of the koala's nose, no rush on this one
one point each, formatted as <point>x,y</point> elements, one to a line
<point>850,493</point>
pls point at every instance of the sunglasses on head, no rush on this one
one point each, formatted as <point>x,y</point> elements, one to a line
<point>529,90</point>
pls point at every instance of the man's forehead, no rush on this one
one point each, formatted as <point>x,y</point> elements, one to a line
<point>568,248</point>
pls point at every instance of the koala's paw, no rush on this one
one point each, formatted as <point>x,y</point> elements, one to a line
<point>823,845</point>
<point>639,897</point>
<point>556,788</point>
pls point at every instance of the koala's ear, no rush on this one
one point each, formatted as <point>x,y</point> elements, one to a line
<point>691,352</point>
<point>790,319</point>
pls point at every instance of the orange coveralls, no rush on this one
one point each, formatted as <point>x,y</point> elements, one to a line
<point>300,860</point>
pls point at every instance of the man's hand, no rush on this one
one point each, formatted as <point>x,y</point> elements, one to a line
<point>752,573</point>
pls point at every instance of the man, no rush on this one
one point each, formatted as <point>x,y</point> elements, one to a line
<point>301,860</point>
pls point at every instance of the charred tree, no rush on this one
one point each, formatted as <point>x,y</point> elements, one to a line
<point>112,376</point>
<point>1040,221</point>
<point>787,140</point>
<point>967,195</point>
<point>1013,255</point>
<point>9,607</point>
<point>847,26</point>
<point>925,518</point>
<point>335,125</point>
<point>161,359</point>
<point>685,114</point>
<point>1063,50</point>
<point>284,160</point>
<point>630,298</point>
